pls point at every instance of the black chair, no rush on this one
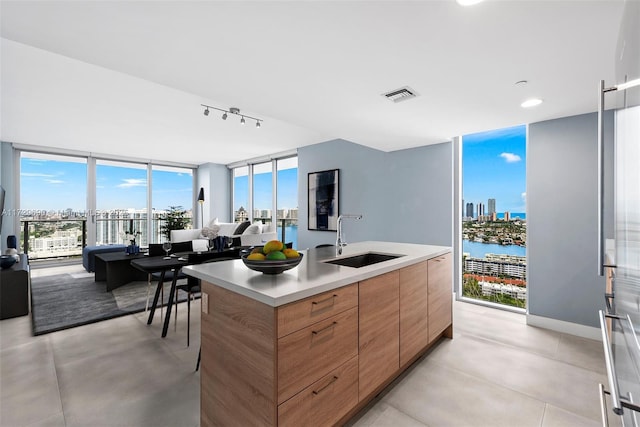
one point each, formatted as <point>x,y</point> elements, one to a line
<point>193,287</point>
<point>155,249</point>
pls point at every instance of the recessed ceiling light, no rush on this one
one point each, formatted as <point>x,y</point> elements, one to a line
<point>468,2</point>
<point>531,103</point>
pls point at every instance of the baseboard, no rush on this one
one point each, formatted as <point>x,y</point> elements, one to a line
<point>565,327</point>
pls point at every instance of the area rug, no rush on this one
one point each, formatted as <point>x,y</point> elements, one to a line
<point>68,300</point>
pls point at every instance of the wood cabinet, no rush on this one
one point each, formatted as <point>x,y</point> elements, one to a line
<point>307,355</point>
<point>414,333</point>
<point>378,306</point>
<point>439,296</point>
<point>324,402</point>
<point>317,361</point>
<point>297,315</point>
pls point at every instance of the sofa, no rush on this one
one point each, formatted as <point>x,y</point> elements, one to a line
<point>243,234</point>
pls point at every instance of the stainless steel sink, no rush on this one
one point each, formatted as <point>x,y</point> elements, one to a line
<point>363,260</point>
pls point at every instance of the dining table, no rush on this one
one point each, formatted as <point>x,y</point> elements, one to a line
<point>161,264</point>
<point>174,263</point>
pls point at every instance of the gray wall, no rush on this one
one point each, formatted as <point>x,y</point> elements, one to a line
<point>562,246</point>
<point>216,181</point>
<point>405,196</point>
<point>8,183</point>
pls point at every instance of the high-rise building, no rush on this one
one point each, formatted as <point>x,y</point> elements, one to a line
<point>469,213</point>
<point>480,210</point>
<point>491,206</point>
<point>507,216</point>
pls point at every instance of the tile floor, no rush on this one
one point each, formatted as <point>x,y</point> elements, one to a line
<point>497,371</point>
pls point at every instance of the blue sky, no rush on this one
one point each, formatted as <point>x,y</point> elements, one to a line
<point>494,167</point>
<point>287,190</point>
<point>59,185</point>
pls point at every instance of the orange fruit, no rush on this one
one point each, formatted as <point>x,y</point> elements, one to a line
<point>291,253</point>
<point>272,245</point>
<point>256,257</point>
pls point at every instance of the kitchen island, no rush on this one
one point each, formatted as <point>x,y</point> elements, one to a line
<point>313,345</point>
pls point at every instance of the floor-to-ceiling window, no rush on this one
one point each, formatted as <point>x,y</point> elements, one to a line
<point>256,190</point>
<point>263,192</point>
<point>241,194</point>
<point>287,199</point>
<point>69,201</point>
<point>172,187</point>
<point>121,202</point>
<point>494,264</point>
<point>53,213</point>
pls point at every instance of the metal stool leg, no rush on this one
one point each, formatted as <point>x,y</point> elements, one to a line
<point>199,356</point>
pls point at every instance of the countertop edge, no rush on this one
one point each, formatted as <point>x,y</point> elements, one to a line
<point>351,275</point>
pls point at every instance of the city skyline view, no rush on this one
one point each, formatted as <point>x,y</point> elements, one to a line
<point>494,167</point>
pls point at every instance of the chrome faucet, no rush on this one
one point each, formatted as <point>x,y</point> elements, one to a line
<point>340,243</point>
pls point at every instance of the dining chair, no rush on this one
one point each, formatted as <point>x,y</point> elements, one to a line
<point>192,287</point>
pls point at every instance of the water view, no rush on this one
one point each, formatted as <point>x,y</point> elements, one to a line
<point>478,250</point>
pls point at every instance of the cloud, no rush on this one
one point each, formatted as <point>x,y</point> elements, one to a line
<point>524,197</point>
<point>133,182</point>
<point>39,175</point>
<point>510,157</point>
<point>54,181</point>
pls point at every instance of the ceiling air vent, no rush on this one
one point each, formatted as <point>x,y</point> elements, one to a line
<point>401,94</point>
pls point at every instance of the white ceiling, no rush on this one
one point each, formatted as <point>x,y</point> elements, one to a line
<point>128,77</point>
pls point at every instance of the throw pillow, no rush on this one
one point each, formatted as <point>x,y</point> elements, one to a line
<point>252,229</point>
<point>241,227</point>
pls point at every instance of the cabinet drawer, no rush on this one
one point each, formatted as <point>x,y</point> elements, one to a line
<point>324,402</point>
<point>307,355</point>
<point>301,314</point>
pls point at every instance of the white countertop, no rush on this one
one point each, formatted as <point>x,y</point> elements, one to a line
<point>311,276</point>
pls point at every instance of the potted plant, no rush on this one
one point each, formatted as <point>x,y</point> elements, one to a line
<point>174,219</point>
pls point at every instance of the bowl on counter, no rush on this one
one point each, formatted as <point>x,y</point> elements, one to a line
<point>269,266</point>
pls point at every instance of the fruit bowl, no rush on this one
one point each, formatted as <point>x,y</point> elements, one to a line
<point>271,266</point>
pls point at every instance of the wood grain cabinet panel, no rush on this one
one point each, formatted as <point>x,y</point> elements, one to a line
<point>414,333</point>
<point>324,402</point>
<point>378,306</point>
<point>238,360</point>
<point>440,295</point>
<point>307,355</point>
<point>300,314</point>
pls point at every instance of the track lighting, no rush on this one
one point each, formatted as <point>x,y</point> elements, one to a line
<point>232,110</point>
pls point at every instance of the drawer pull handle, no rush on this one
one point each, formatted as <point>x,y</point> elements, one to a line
<point>332,299</point>
<point>333,380</point>
<point>324,329</point>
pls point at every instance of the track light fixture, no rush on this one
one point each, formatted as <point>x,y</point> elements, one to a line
<point>232,110</point>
